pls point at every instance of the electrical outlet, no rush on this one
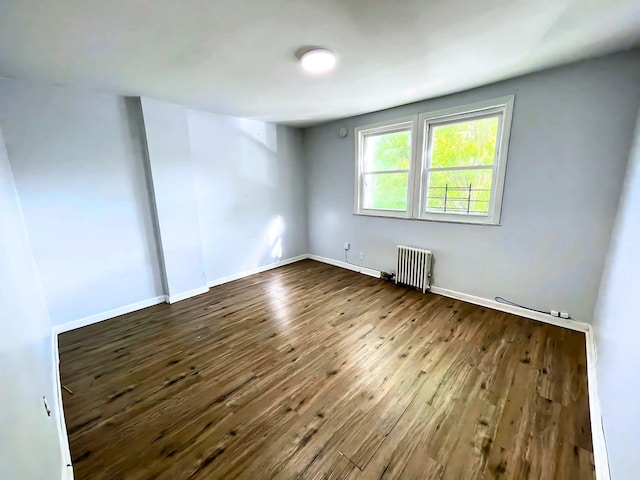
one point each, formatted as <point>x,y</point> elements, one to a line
<point>361,255</point>
<point>347,245</point>
<point>564,315</point>
<point>555,313</point>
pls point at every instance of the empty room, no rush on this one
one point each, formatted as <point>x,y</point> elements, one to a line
<point>337,239</point>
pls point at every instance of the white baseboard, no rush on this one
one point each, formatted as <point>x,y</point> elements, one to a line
<point>348,266</point>
<point>184,295</point>
<point>600,457</point>
<point>99,317</point>
<point>522,312</point>
<point>253,271</point>
<point>63,439</point>
<point>485,302</point>
<point>116,312</point>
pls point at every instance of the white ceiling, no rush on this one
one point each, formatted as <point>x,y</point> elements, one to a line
<point>238,57</point>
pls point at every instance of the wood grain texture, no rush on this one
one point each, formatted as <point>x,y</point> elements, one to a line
<point>312,371</point>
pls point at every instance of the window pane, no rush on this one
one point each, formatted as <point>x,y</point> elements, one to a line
<point>386,191</point>
<point>465,191</point>
<point>465,143</point>
<point>387,151</point>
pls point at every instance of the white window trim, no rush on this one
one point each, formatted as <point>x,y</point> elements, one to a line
<point>405,123</point>
<point>502,106</point>
<point>416,191</point>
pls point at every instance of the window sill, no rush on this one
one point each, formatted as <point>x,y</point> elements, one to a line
<point>435,220</point>
<point>384,214</point>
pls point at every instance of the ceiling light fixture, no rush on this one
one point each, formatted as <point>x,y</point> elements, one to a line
<point>318,60</point>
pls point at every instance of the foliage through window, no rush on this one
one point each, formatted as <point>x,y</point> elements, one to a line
<point>455,174</point>
<point>386,170</point>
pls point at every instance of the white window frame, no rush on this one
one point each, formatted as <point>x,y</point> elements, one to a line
<point>396,125</point>
<point>503,107</point>
<point>421,127</point>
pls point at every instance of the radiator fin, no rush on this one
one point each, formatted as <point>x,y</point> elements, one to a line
<point>414,267</point>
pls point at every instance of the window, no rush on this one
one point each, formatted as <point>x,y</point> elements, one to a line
<point>384,167</point>
<point>456,172</point>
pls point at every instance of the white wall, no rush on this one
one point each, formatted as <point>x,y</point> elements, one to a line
<point>29,447</point>
<point>570,137</point>
<point>617,328</point>
<point>250,192</point>
<point>78,165</point>
<point>173,191</point>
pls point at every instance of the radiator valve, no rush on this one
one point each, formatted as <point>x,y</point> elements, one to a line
<point>388,276</point>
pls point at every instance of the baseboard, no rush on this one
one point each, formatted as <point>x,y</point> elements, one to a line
<point>253,271</point>
<point>485,302</point>
<point>348,266</point>
<point>116,312</point>
<point>63,439</point>
<point>99,317</point>
<point>522,312</point>
<point>188,294</point>
<point>600,457</point>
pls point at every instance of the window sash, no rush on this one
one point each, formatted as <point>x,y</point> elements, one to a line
<point>429,127</point>
<point>501,109</point>
<point>488,166</point>
<point>407,124</point>
<point>382,172</point>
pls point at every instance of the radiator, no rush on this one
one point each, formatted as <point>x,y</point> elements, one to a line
<point>414,267</point>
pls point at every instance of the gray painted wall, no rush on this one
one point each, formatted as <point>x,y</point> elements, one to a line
<point>78,165</point>
<point>173,191</point>
<point>250,192</point>
<point>618,331</point>
<point>570,138</point>
<point>29,448</point>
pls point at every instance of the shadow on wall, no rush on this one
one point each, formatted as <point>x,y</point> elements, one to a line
<point>249,182</point>
<point>258,154</point>
<point>269,247</point>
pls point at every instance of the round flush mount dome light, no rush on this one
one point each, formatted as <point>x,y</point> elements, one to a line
<point>318,60</point>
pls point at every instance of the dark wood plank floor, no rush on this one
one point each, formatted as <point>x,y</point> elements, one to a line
<point>311,371</point>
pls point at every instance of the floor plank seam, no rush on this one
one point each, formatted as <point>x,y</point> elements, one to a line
<point>351,461</point>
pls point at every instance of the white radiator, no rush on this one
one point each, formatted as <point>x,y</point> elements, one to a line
<point>414,267</point>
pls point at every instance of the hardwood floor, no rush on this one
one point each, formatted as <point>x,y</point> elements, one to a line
<point>312,371</point>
